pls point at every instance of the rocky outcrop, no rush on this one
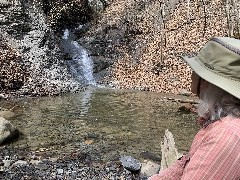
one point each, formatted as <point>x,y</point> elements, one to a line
<point>7,131</point>
<point>32,62</point>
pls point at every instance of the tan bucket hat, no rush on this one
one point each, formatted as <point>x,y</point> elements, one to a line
<point>218,62</point>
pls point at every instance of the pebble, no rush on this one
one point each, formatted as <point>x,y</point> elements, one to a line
<point>41,166</point>
<point>60,171</point>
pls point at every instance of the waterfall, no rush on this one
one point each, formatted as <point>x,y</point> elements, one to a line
<point>81,65</point>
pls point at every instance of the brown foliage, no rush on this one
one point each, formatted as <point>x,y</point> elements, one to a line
<point>155,34</point>
<point>13,73</point>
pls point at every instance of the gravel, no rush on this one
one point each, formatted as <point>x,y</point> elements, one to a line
<point>77,165</point>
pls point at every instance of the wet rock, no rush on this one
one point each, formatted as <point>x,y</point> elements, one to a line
<point>130,163</point>
<point>100,64</point>
<point>7,131</point>
<point>68,14</point>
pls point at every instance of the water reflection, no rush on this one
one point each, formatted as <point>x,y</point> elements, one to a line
<point>106,122</point>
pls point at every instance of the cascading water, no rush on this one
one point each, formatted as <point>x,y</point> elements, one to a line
<point>81,65</point>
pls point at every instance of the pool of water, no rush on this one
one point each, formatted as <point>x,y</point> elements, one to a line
<point>103,122</point>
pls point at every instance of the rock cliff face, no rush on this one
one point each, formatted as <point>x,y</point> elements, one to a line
<point>32,60</point>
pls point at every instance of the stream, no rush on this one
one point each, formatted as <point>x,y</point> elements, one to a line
<point>104,122</point>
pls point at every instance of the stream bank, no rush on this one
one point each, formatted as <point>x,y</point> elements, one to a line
<point>102,124</point>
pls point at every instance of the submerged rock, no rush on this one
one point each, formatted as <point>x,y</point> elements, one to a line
<point>7,131</point>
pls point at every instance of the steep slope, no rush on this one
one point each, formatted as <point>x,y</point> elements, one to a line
<point>145,39</point>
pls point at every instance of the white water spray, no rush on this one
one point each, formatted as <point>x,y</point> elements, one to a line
<point>81,65</point>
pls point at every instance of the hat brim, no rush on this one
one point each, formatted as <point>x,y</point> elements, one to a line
<point>227,84</point>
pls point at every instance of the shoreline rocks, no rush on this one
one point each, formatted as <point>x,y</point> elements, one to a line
<point>72,166</point>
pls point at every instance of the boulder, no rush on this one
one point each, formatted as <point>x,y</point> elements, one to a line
<point>7,131</point>
<point>149,168</point>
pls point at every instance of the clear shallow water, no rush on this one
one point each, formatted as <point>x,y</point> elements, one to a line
<point>103,122</point>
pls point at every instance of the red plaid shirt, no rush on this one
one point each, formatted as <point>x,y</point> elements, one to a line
<point>214,154</point>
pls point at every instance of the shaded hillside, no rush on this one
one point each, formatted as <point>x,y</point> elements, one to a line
<point>144,39</point>
<point>31,60</point>
<point>134,44</point>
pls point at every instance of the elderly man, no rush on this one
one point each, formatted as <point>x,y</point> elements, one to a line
<point>215,150</point>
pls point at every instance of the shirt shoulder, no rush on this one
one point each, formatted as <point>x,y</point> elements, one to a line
<point>227,124</point>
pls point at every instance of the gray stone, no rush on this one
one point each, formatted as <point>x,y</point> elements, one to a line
<point>149,168</point>
<point>60,171</point>
<point>7,131</point>
<point>7,163</point>
<point>185,92</point>
<point>2,96</point>
<point>20,163</point>
<point>130,163</point>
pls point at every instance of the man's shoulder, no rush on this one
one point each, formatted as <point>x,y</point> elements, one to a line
<point>229,125</point>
